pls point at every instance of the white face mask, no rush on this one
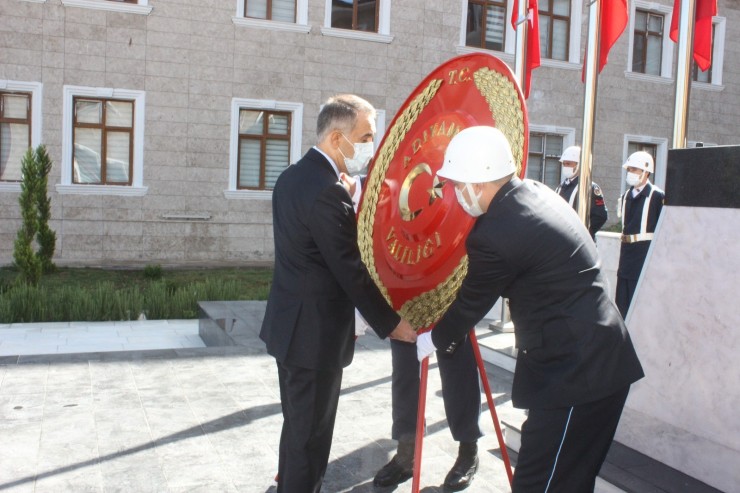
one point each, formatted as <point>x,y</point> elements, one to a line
<point>474,209</point>
<point>567,172</point>
<point>363,153</point>
<point>633,179</point>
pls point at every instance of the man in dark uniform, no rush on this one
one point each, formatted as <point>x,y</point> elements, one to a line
<point>575,359</point>
<point>462,402</point>
<point>319,278</point>
<point>568,189</point>
<point>638,224</point>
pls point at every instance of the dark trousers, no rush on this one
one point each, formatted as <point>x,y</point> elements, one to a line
<point>562,449</point>
<point>309,401</point>
<point>460,391</point>
<point>623,296</point>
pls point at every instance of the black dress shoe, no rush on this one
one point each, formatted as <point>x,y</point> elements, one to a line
<point>392,474</point>
<point>463,472</point>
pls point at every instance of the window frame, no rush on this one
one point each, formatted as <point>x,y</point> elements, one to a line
<point>554,17</point>
<point>139,7</point>
<point>104,128</point>
<point>661,157</point>
<point>67,185</point>
<point>296,130</point>
<point>485,4</point>
<point>666,65</point>
<point>35,89</point>
<point>383,35</point>
<point>568,135</point>
<point>646,35</point>
<point>300,25</point>
<point>262,138</point>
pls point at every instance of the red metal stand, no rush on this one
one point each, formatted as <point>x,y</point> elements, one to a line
<point>491,406</point>
<point>424,370</point>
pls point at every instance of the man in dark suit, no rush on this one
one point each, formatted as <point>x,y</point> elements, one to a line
<point>568,189</point>
<point>639,208</point>
<point>319,278</point>
<point>575,361</point>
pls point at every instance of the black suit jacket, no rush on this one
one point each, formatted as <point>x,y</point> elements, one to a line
<point>531,248</point>
<point>319,276</point>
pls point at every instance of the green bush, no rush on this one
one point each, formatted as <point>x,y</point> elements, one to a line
<point>103,301</point>
<point>153,272</point>
<point>45,236</point>
<point>25,257</point>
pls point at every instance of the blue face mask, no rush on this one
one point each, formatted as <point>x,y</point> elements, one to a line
<point>362,155</point>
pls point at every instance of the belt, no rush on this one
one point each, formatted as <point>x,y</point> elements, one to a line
<point>636,238</point>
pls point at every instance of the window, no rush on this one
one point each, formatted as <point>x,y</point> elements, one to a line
<point>15,133</point>
<point>712,78</point>
<point>273,10</point>
<point>368,20</point>
<point>265,139</point>
<point>103,141</point>
<point>650,56</point>
<point>20,128</point>
<point>554,16</point>
<point>275,15</point>
<point>486,24</point>
<point>543,163</point>
<point>264,148</point>
<point>359,15</point>
<point>647,47</point>
<point>130,6</point>
<point>697,75</point>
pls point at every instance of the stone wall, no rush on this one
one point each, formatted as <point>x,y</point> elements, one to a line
<point>192,59</point>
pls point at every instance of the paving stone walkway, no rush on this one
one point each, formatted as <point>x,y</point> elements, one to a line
<point>203,420</point>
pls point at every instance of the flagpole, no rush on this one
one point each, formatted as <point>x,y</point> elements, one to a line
<point>589,110</point>
<point>520,63</point>
<point>687,14</point>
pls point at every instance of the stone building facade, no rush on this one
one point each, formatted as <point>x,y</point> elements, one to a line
<point>196,105</point>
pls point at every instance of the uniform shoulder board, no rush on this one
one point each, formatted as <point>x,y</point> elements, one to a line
<point>597,190</point>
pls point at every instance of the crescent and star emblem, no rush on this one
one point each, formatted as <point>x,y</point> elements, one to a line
<point>436,192</point>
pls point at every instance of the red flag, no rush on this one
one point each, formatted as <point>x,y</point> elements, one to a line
<point>613,21</point>
<point>705,9</point>
<point>533,40</point>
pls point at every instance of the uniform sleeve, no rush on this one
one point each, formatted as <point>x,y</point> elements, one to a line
<point>599,214</point>
<point>334,229</point>
<point>487,277</point>
<point>656,207</point>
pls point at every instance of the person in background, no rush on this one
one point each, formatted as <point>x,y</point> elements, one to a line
<point>462,402</point>
<point>568,189</point>
<point>318,279</point>
<point>575,361</point>
<point>639,208</point>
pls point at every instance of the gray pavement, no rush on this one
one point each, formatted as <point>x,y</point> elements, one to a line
<point>202,420</point>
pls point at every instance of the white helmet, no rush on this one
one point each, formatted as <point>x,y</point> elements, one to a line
<point>640,160</point>
<point>572,153</point>
<point>477,155</point>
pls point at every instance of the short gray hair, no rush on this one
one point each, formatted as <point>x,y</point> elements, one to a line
<point>340,113</point>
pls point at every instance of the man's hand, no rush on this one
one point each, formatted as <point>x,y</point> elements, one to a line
<point>424,346</point>
<point>404,332</point>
